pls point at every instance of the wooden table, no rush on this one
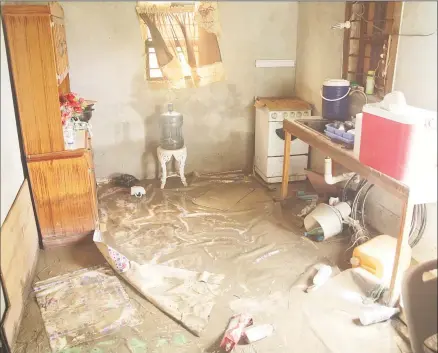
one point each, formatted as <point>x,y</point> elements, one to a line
<point>345,157</point>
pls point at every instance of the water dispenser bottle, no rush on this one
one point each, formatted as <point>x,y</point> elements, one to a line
<point>171,129</point>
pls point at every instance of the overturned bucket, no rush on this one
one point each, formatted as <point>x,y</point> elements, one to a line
<point>329,218</point>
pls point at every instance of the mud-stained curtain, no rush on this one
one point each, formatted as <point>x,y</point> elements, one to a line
<point>184,37</point>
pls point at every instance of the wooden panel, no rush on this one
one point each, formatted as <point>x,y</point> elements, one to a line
<point>89,156</point>
<point>64,86</point>
<point>34,74</point>
<point>19,255</point>
<point>396,8</point>
<point>64,200</point>
<point>60,48</point>
<point>56,9</point>
<point>25,10</point>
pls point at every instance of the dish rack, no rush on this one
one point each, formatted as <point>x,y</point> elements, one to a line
<point>339,135</point>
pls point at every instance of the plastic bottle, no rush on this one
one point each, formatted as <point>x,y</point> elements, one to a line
<point>378,314</point>
<point>369,89</point>
<point>316,234</point>
<point>256,333</point>
<point>322,276</point>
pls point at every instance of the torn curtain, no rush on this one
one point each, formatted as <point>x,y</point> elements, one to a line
<point>184,36</point>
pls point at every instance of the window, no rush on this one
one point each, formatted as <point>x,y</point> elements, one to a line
<point>171,37</point>
<point>371,42</point>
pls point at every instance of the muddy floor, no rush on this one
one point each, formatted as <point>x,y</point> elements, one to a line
<point>228,224</point>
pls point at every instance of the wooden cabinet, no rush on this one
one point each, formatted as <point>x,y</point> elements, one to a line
<point>62,181</point>
<point>60,46</point>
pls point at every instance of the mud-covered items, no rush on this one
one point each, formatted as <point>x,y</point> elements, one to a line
<point>82,306</point>
<point>125,180</point>
<point>138,191</point>
<point>234,331</point>
<point>186,296</point>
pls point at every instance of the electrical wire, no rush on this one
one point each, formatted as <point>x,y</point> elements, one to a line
<point>419,215</point>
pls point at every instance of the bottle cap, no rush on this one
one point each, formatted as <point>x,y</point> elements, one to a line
<point>371,72</point>
<point>354,261</point>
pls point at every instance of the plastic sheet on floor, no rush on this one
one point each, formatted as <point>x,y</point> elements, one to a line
<point>82,306</point>
<point>200,264</point>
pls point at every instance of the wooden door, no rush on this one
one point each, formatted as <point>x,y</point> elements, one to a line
<point>64,198</point>
<point>29,39</point>
<point>60,48</point>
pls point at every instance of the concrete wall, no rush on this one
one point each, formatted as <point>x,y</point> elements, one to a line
<point>319,56</point>
<point>107,64</point>
<point>11,167</point>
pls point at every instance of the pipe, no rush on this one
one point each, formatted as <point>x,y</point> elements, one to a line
<point>329,178</point>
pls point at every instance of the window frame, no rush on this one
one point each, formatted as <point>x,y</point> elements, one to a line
<point>149,43</point>
<point>390,38</point>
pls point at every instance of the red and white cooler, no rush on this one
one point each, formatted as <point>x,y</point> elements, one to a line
<point>399,140</point>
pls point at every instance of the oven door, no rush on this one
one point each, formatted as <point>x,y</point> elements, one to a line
<point>276,141</point>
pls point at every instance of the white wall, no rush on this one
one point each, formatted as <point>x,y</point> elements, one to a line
<point>107,64</point>
<point>416,73</point>
<point>11,167</point>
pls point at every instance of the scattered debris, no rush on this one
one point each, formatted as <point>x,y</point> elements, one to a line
<point>234,331</point>
<point>333,201</point>
<point>257,333</point>
<point>125,180</point>
<point>138,191</point>
<point>302,195</point>
<point>307,209</point>
<point>377,314</point>
<point>322,276</point>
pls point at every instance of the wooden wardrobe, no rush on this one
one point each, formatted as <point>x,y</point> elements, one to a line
<point>62,181</point>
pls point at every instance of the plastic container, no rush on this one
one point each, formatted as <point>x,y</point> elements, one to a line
<point>358,134</point>
<point>329,218</point>
<point>397,139</point>
<point>323,275</point>
<point>369,89</point>
<point>340,135</point>
<point>335,99</point>
<point>171,129</point>
<point>377,257</point>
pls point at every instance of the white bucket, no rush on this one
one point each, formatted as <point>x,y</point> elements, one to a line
<point>328,218</point>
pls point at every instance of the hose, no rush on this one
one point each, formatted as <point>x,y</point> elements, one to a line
<point>419,216</point>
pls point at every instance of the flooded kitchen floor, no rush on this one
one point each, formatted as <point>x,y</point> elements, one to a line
<point>226,224</point>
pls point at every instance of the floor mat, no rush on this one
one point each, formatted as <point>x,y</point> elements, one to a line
<point>83,305</point>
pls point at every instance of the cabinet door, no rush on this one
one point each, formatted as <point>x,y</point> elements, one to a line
<point>64,199</point>
<point>60,48</point>
<point>92,177</point>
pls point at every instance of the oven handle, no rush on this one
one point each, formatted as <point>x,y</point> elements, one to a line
<point>280,134</point>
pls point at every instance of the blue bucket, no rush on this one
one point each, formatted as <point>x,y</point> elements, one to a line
<point>335,99</point>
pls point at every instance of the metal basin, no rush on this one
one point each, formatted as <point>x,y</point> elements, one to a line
<point>314,124</point>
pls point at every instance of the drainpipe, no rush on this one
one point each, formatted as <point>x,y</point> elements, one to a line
<point>329,178</point>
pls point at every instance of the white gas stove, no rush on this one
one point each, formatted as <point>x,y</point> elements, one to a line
<point>269,139</point>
